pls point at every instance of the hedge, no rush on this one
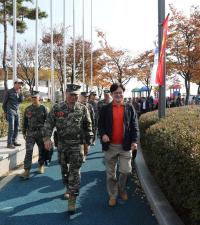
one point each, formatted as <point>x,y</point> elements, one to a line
<point>171,148</point>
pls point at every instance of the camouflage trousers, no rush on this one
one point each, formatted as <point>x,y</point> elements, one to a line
<point>71,159</point>
<point>33,137</point>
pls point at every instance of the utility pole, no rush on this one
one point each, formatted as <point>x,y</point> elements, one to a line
<point>162,89</point>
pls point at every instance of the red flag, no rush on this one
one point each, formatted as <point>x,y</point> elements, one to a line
<point>160,69</point>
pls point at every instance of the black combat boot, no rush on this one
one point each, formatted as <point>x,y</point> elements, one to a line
<point>72,204</point>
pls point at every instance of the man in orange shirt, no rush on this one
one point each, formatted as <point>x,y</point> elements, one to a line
<point>118,129</point>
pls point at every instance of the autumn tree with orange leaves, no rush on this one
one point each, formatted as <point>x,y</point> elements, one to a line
<point>183,52</point>
<point>98,63</point>
<point>143,65</point>
<point>119,65</point>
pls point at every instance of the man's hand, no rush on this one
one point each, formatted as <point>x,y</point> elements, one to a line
<point>48,145</point>
<point>86,148</point>
<point>105,138</point>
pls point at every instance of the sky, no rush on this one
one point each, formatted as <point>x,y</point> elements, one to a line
<point>128,24</point>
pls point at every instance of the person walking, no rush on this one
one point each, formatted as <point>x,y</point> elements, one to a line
<point>13,97</point>
<point>118,129</point>
<point>93,101</point>
<point>35,116</point>
<point>107,99</point>
<point>74,127</point>
<point>84,96</point>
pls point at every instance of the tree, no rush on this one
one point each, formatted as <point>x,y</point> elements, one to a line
<point>26,63</point>
<point>183,42</point>
<point>143,65</point>
<point>59,60</point>
<point>6,17</point>
<point>119,65</point>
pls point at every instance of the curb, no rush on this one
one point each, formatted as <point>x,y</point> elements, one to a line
<point>164,212</point>
<point>10,159</point>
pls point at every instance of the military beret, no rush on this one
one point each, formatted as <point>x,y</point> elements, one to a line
<point>106,91</point>
<point>85,94</point>
<point>73,88</point>
<point>35,94</point>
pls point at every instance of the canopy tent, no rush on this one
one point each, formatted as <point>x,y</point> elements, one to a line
<point>175,89</point>
<point>134,91</point>
<point>145,90</point>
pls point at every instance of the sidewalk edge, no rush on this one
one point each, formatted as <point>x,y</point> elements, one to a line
<point>164,212</point>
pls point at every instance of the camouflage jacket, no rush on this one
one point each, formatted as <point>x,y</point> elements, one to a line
<point>95,108</point>
<point>34,118</point>
<point>74,125</point>
<point>92,115</point>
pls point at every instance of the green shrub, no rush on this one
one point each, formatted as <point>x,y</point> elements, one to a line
<point>172,152</point>
<point>3,123</point>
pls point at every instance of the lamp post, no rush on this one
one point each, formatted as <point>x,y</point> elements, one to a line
<point>162,89</point>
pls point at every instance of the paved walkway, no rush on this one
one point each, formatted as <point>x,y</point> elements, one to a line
<point>39,201</point>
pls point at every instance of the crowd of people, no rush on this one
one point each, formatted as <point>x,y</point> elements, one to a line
<point>75,124</point>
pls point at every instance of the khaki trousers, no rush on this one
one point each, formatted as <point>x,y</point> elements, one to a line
<point>116,157</point>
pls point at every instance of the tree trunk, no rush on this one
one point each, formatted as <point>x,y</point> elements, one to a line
<point>187,89</point>
<point>5,71</point>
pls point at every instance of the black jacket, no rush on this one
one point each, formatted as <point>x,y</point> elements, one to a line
<point>130,125</point>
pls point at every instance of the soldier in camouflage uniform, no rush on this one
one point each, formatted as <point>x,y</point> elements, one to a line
<point>84,100</point>
<point>73,123</point>
<point>93,102</point>
<point>107,99</point>
<point>34,117</point>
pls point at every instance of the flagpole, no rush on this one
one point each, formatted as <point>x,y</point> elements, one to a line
<point>64,47</point>
<point>74,46</point>
<point>14,41</point>
<point>83,43</point>
<point>91,59</point>
<point>36,47</point>
<point>52,61</point>
<point>162,89</point>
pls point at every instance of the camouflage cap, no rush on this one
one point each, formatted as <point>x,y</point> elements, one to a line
<point>85,94</point>
<point>73,88</point>
<point>35,94</point>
